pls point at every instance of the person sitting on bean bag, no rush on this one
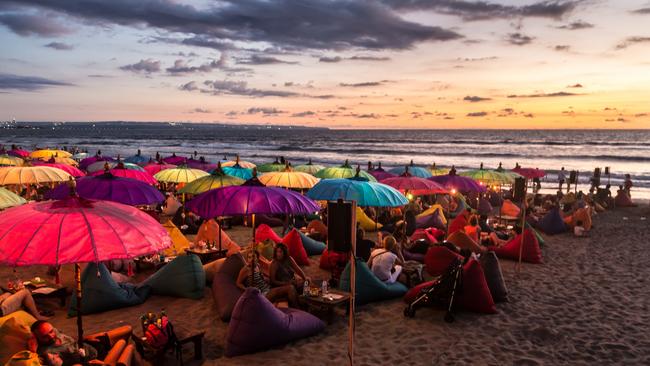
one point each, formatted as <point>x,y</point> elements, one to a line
<point>284,270</point>
<point>622,198</point>
<point>384,262</point>
<point>255,278</point>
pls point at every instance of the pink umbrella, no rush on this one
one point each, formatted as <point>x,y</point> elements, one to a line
<point>155,167</point>
<point>120,171</point>
<point>76,230</point>
<point>530,173</point>
<point>20,153</point>
<point>408,183</point>
<point>73,171</point>
<point>173,159</point>
<point>379,173</point>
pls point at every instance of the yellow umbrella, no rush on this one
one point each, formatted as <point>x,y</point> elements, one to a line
<point>32,175</point>
<point>8,160</point>
<point>242,163</point>
<point>438,171</point>
<point>181,174</point>
<point>9,199</point>
<point>46,154</point>
<point>61,160</point>
<point>289,179</point>
<point>216,179</point>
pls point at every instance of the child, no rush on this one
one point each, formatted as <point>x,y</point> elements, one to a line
<point>579,230</point>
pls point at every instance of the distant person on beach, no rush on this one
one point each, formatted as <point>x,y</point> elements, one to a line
<point>622,199</point>
<point>627,185</point>
<point>579,229</point>
<point>561,178</point>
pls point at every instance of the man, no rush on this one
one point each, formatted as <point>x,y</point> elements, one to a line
<point>561,177</point>
<point>51,344</point>
<point>10,303</point>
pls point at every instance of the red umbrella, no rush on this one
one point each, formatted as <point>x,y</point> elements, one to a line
<point>408,183</point>
<point>121,171</point>
<point>530,173</point>
<point>76,230</point>
<point>18,153</point>
<point>73,171</point>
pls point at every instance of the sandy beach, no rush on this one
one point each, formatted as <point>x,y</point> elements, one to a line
<point>587,304</point>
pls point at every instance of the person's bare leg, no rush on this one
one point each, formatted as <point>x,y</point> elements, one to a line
<point>28,303</point>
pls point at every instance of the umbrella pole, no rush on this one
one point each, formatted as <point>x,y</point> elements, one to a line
<point>353,280</point>
<point>253,225</point>
<point>523,228</point>
<point>219,223</point>
<point>80,330</point>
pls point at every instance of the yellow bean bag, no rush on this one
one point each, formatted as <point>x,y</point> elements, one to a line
<point>24,358</point>
<point>432,209</point>
<point>179,241</point>
<point>14,333</point>
<point>366,222</point>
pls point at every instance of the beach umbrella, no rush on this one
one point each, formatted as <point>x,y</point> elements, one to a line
<point>289,179</point>
<point>408,183</point>
<point>488,177</point>
<point>309,168</point>
<point>275,166</point>
<point>238,171</point>
<point>364,192</point>
<point>530,173</point>
<point>379,173</point>
<point>459,183</point>
<point>201,164</point>
<point>154,167</point>
<point>60,160</point>
<point>414,170</point>
<point>242,163</point>
<point>9,160</point>
<point>108,187</point>
<point>181,174</point>
<point>10,199</point>
<point>73,171</point>
<point>31,175</point>
<point>101,166</point>
<point>46,154</point>
<point>216,179</point>
<point>173,159</point>
<point>138,158</point>
<point>19,153</point>
<point>120,171</point>
<point>343,171</point>
<point>80,156</point>
<point>83,164</point>
<point>75,230</point>
<point>434,170</point>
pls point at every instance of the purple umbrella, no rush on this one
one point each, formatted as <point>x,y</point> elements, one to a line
<point>201,164</point>
<point>111,188</point>
<point>87,161</point>
<point>379,173</point>
<point>459,183</point>
<point>175,160</point>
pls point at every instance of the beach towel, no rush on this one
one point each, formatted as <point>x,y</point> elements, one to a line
<point>264,232</point>
<point>366,222</point>
<point>257,325</point>
<point>224,286</point>
<point>293,241</point>
<point>209,232</point>
<point>530,253</point>
<point>552,223</point>
<point>494,276</point>
<point>312,247</point>
<point>475,294</point>
<point>368,287</point>
<point>182,277</point>
<point>438,259</point>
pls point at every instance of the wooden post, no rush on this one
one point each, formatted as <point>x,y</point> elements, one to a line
<point>353,276</point>
<point>80,329</point>
<point>523,229</point>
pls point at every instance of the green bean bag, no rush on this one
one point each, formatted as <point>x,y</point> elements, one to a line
<point>312,247</point>
<point>368,287</point>
<point>101,293</point>
<point>182,277</point>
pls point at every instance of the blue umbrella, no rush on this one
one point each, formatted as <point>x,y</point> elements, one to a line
<point>414,170</point>
<point>237,171</point>
<point>366,193</point>
<point>137,158</point>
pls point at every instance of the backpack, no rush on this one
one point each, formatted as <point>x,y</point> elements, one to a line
<point>159,332</point>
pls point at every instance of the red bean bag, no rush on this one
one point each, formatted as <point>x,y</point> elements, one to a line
<point>264,232</point>
<point>457,224</point>
<point>438,259</point>
<point>413,293</point>
<point>530,253</point>
<point>329,259</point>
<point>423,234</point>
<point>293,241</point>
<point>475,294</point>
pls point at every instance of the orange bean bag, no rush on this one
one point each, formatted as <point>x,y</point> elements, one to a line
<point>209,231</point>
<point>581,214</point>
<point>463,241</point>
<point>510,209</point>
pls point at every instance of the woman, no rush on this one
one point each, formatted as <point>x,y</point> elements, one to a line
<point>21,299</point>
<point>284,269</point>
<point>384,262</point>
<point>472,229</point>
<point>256,279</point>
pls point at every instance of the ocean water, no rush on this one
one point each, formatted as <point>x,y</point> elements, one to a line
<point>623,151</point>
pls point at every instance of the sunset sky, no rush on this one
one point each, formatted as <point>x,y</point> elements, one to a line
<point>341,64</point>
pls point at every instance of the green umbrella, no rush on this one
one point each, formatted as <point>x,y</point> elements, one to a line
<point>309,168</point>
<point>435,171</point>
<point>275,166</point>
<point>343,171</point>
<point>489,177</point>
<point>10,199</point>
<point>216,179</point>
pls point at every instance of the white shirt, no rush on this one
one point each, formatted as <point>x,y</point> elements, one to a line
<point>381,263</point>
<point>579,231</point>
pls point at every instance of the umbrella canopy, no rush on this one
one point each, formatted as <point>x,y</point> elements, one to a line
<point>31,175</point>
<point>10,199</point>
<point>275,166</point>
<point>488,177</point>
<point>458,183</point>
<point>19,153</point>
<point>87,161</point>
<point>111,188</point>
<point>530,173</point>
<point>80,156</point>
<point>138,158</point>
<point>379,173</point>
<point>414,170</point>
<point>242,163</point>
<point>435,170</point>
<point>343,171</point>
<point>173,159</point>
<point>40,154</point>
<point>181,174</point>
<point>73,171</point>
<point>9,160</point>
<point>408,183</point>
<point>60,160</point>
<point>101,166</point>
<point>154,167</point>
<point>366,193</point>
<point>309,168</point>
<point>251,198</point>
<point>216,179</point>
<point>238,171</point>
<point>201,164</point>
<point>289,179</point>
<point>121,171</point>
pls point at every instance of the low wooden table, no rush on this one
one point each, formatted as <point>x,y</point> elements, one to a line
<point>207,255</point>
<point>325,305</point>
<point>157,357</point>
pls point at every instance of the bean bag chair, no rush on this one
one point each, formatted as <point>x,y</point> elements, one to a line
<point>265,249</point>
<point>463,241</point>
<point>209,232</point>
<point>24,358</point>
<point>13,337</point>
<point>432,220</point>
<point>438,259</point>
<point>20,316</point>
<point>264,232</point>
<point>552,223</point>
<point>413,293</point>
<point>623,200</point>
<point>328,260</point>
<point>461,206</point>
<point>366,222</point>
<point>257,325</point>
<point>224,286</point>
<point>312,247</point>
<point>427,235</point>
<point>411,256</point>
<point>539,237</point>
<point>494,276</point>
<point>293,242</point>
<point>581,214</point>
<point>101,293</point>
<point>475,294</point>
<point>458,223</point>
<point>182,277</point>
<point>317,226</point>
<point>436,208</point>
<point>530,253</point>
<point>510,209</point>
<point>179,241</point>
<point>368,287</point>
<point>484,207</point>
<point>211,268</point>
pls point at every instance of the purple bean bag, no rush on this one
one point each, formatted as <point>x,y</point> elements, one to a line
<point>224,286</point>
<point>484,207</point>
<point>428,221</point>
<point>552,223</point>
<point>257,325</point>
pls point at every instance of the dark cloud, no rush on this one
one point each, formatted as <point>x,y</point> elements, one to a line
<point>632,41</point>
<point>33,25</point>
<point>303,114</point>
<point>59,46</point>
<point>481,10</point>
<point>265,111</point>
<point>27,83</point>
<point>543,95</point>
<point>641,115</point>
<point>576,25</point>
<point>529,115</point>
<point>474,99</point>
<point>182,68</point>
<point>147,66</point>
<point>641,11</point>
<point>312,24</point>
<point>578,85</point>
<point>99,76</point>
<point>200,110</point>
<point>191,86</point>
<point>363,85</point>
<point>519,39</point>
<point>185,54</point>
<point>369,58</point>
<point>264,60</point>
<point>477,114</point>
<point>330,59</point>
<point>230,87</point>
<point>324,96</point>
<point>477,59</point>
<point>562,48</point>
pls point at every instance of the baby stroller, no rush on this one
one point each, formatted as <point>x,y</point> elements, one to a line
<point>441,293</point>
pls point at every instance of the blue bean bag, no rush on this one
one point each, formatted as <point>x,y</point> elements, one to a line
<point>224,286</point>
<point>552,223</point>
<point>257,325</point>
<point>182,277</point>
<point>101,293</point>
<point>312,247</point>
<point>368,287</point>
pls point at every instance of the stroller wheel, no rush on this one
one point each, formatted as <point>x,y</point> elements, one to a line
<point>449,318</point>
<point>409,311</point>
